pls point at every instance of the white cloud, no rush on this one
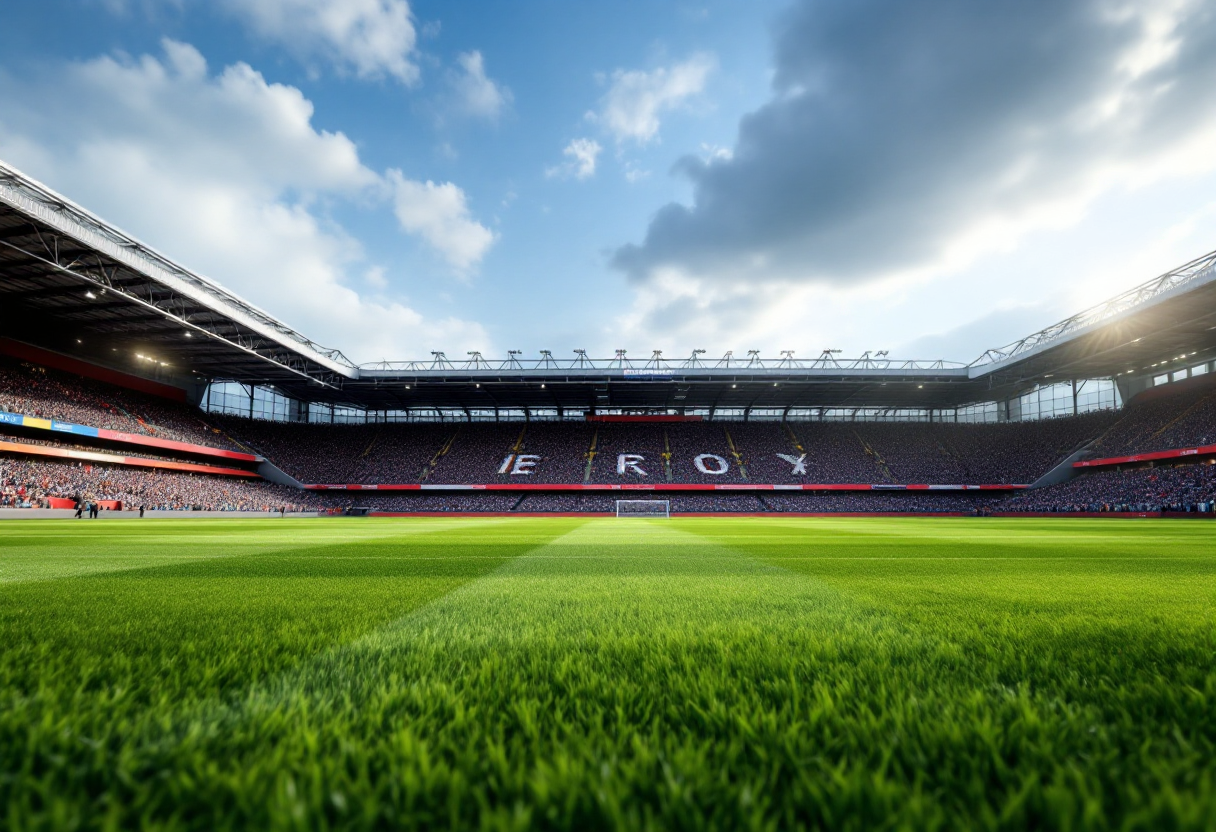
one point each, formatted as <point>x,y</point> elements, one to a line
<point>886,157</point>
<point>633,173</point>
<point>376,278</point>
<point>473,93</point>
<point>226,174</point>
<point>580,162</point>
<point>631,108</point>
<point>440,215</point>
<point>372,38</point>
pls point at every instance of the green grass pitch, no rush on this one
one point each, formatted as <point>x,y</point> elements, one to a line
<point>567,673</point>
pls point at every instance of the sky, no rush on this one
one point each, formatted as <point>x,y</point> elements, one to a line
<point>396,177</point>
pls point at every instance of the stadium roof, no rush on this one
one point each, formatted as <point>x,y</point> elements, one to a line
<point>71,282</point>
<point>65,271</point>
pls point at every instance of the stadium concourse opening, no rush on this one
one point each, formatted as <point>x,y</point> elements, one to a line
<point>1110,411</point>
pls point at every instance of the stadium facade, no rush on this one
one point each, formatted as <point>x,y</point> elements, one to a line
<point>79,294</point>
<point>73,283</point>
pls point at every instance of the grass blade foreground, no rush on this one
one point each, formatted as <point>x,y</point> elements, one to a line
<point>583,674</point>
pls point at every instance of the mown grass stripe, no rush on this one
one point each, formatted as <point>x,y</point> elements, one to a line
<point>705,674</point>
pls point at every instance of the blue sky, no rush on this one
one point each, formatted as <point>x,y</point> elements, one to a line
<point>396,177</point>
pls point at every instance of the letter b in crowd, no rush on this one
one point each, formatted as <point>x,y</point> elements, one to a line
<point>711,464</point>
<point>629,462</point>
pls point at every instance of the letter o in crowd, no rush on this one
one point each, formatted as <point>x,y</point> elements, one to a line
<point>704,460</point>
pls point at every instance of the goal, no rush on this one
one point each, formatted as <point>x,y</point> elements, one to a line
<point>643,508</point>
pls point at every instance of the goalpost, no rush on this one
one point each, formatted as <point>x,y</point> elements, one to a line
<point>643,508</point>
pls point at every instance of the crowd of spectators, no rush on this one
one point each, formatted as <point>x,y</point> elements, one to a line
<point>540,503</point>
<point>1021,452</point>
<point>1181,488</point>
<point>49,394</point>
<point>415,502</point>
<point>828,452</point>
<point>29,483</point>
<point>596,503</point>
<point>761,452</point>
<point>94,449</point>
<point>639,439</point>
<point>688,440</point>
<point>913,502</point>
<point>478,453</point>
<point>563,450</point>
<point>344,454</point>
<point>1172,416</point>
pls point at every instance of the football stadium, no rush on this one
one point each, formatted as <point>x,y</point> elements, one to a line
<point>247,582</point>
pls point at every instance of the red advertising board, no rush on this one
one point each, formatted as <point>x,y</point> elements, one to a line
<point>1173,453</point>
<point>174,445</point>
<point>535,486</point>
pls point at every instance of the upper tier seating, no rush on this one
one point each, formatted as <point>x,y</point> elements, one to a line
<point>35,391</point>
<point>1172,416</point>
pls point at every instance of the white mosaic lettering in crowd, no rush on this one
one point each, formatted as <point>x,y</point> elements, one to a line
<point>799,463</point>
<point>629,462</point>
<point>524,463</point>
<point>720,465</point>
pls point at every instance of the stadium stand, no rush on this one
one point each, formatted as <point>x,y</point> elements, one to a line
<point>1167,417</point>
<point>422,503</point>
<point>877,501</point>
<point>570,453</point>
<point>315,453</point>
<point>636,440</point>
<point>689,442</point>
<point>811,503</point>
<point>563,449</point>
<point>30,483</point>
<point>594,503</point>
<point>50,394</point>
<point>558,453</point>
<point>1180,488</point>
<point>1021,452</point>
<point>477,453</point>
<point>833,453</point>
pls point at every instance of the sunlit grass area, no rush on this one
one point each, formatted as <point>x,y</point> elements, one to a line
<point>618,674</point>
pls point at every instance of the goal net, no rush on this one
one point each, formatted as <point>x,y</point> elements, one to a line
<point>643,508</point>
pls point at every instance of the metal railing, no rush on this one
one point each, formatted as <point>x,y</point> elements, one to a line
<point>39,201</point>
<point>655,363</point>
<point>1198,270</point>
